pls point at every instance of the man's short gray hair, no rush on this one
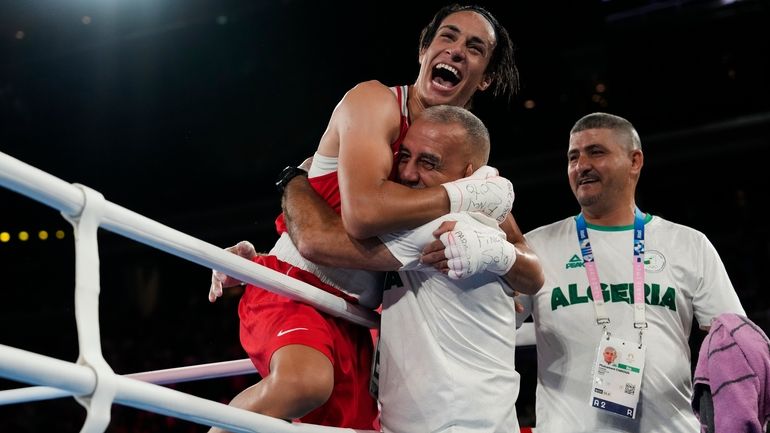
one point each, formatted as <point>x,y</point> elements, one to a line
<point>477,133</point>
<point>608,121</point>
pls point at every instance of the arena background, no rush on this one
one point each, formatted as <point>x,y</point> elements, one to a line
<point>185,111</point>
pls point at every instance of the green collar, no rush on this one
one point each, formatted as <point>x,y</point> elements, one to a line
<point>647,218</point>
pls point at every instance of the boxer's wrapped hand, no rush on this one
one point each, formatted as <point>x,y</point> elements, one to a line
<point>484,191</point>
<point>472,248</point>
<point>219,280</point>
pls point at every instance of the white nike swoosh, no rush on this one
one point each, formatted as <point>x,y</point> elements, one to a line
<point>282,332</point>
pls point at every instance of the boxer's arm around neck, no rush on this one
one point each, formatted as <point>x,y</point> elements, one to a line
<point>320,237</point>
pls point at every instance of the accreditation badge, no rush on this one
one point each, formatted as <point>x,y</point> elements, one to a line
<point>617,376</point>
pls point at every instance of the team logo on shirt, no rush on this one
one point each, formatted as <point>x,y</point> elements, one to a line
<point>574,262</point>
<point>654,261</point>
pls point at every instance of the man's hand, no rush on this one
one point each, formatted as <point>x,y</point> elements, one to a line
<point>434,254</point>
<point>219,280</point>
<point>469,249</point>
<point>484,191</point>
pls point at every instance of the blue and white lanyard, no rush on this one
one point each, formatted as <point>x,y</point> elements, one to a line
<point>602,318</point>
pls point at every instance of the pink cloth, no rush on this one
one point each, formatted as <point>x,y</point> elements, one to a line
<point>734,363</point>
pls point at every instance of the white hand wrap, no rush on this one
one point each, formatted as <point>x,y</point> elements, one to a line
<point>471,249</point>
<point>484,191</point>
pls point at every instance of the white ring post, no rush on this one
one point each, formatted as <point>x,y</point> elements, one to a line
<point>99,403</point>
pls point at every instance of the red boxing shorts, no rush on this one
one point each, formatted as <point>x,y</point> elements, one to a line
<point>269,321</point>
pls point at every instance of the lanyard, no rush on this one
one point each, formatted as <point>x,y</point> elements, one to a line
<point>602,318</point>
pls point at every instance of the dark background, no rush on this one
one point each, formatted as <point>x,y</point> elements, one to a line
<point>185,111</point>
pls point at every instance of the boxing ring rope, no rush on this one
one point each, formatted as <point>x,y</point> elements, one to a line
<point>80,380</point>
<point>91,380</point>
<point>68,198</point>
<point>159,377</point>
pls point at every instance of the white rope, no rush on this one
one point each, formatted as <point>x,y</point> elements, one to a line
<point>77,379</point>
<point>159,377</point>
<point>54,192</point>
<point>59,378</point>
<point>525,336</point>
<point>91,380</point>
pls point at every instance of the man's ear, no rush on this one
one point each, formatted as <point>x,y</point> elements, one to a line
<point>485,82</point>
<point>469,169</point>
<point>637,160</point>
